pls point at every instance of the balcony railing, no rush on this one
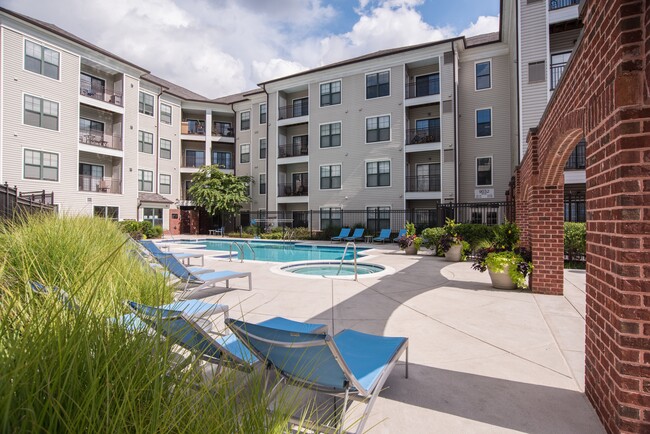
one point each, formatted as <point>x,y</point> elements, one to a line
<point>559,4</point>
<point>102,93</point>
<point>293,189</point>
<point>100,185</point>
<point>193,127</point>
<point>293,111</point>
<point>196,161</point>
<point>422,183</point>
<point>99,138</point>
<point>422,135</point>
<point>222,130</point>
<point>424,88</point>
<point>294,149</point>
<point>556,74</point>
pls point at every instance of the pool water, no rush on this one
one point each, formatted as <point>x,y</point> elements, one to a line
<point>332,269</point>
<point>281,251</point>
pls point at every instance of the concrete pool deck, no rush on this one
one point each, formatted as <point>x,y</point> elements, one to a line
<point>481,360</point>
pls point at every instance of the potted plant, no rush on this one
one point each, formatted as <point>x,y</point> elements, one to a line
<point>507,264</point>
<point>451,243</point>
<point>410,242</point>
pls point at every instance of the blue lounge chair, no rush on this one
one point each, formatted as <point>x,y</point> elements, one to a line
<point>223,350</point>
<point>402,233</point>
<point>200,281</point>
<point>351,364</point>
<point>356,236</point>
<point>344,233</point>
<point>155,251</point>
<point>384,236</point>
<point>149,260</point>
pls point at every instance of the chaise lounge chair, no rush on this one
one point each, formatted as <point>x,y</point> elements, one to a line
<point>149,260</point>
<point>384,236</point>
<point>155,251</point>
<point>228,350</point>
<point>401,233</point>
<point>356,236</point>
<point>351,364</point>
<point>344,233</point>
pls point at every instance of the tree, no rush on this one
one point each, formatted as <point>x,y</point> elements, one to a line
<point>217,191</point>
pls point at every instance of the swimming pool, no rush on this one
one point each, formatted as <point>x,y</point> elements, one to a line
<point>332,269</point>
<point>281,251</point>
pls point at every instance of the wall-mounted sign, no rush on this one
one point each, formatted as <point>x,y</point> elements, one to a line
<point>484,193</point>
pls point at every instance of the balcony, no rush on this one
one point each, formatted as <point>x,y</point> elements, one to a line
<point>423,183</point>
<point>561,4</point>
<point>427,87</point>
<point>192,127</point>
<point>298,189</point>
<point>419,136</point>
<point>100,185</point>
<point>222,130</point>
<point>193,161</point>
<point>296,149</point>
<point>556,74</point>
<point>104,94</point>
<point>293,111</point>
<point>99,138</point>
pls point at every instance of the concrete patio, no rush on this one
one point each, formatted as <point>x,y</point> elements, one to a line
<point>481,360</point>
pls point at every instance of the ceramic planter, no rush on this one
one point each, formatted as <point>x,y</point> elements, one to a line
<point>411,250</point>
<point>502,280</point>
<point>454,253</point>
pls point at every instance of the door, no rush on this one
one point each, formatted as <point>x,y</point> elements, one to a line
<point>427,85</point>
<point>428,177</point>
<point>300,107</point>
<point>90,176</point>
<point>299,184</point>
<point>428,130</point>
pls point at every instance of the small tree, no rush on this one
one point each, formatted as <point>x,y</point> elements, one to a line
<point>219,192</point>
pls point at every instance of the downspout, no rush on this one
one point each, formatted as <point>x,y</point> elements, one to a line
<point>266,205</point>
<point>156,145</point>
<point>456,161</point>
<point>518,69</point>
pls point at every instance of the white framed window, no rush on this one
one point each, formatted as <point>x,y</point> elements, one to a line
<point>145,104</point>
<point>42,60</point>
<point>165,149</point>
<point>245,153</point>
<point>107,212</point>
<point>330,135</point>
<point>263,113</point>
<point>166,114</point>
<point>330,177</point>
<point>40,165</point>
<point>153,215</point>
<point>145,180</point>
<point>483,75</point>
<point>483,171</point>
<point>330,93</point>
<point>263,149</point>
<point>245,120</point>
<point>194,158</point>
<point>262,183</point>
<point>40,112</point>
<point>377,84</point>
<point>484,122</point>
<point>145,142</point>
<point>378,173</point>
<point>165,184</point>
<point>378,129</point>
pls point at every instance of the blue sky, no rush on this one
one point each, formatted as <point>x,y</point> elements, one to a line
<point>221,47</point>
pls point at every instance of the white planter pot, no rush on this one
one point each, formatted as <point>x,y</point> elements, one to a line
<point>454,253</point>
<point>410,250</point>
<point>502,280</point>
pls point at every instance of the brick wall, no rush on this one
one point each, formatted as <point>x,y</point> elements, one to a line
<point>605,97</point>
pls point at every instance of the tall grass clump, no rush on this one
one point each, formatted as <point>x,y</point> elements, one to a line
<point>69,369</point>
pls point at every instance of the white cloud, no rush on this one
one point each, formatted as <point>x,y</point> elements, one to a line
<point>484,24</point>
<point>274,68</point>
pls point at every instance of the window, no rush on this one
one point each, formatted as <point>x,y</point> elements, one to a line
<point>378,218</point>
<point>91,132</point>
<point>558,62</point>
<point>378,129</point>
<point>166,114</point>
<point>484,122</point>
<point>330,93</point>
<point>262,183</point>
<point>577,159</point>
<point>262,113</point>
<point>165,149</point>
<point>330,177</point>
<point>262,149</point>
<point>165,184</point>
<point>427,85</point>
<point>300,145</point>
<point>153,215</point>
<point>41,60</point>
<point>378,84</point>
<point>245,121</point>
<point>378,174</point>
<point>426,131</point>
<point>194,158</point>
<point>484,171</point>
<point>222,159</point>
<point>91,177</point>
<point>483,75</point>
<point>244,153</point>
<point>222,129</point>
<point>330,217</point>
<point>107,212</point>
<point>41,113</point>
<point>145,180</point>
<point>146,104</point>
<point>300,107</point>
<point>41,165</point>
<point>330,135</point>
<point>92,86</point>
<point>427,177</point>
<point>145,142</point>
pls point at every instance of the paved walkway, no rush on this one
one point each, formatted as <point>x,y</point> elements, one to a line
<point>481,360</point>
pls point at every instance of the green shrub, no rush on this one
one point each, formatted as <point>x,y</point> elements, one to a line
<point>506,236</point>
<point>476,234</point>
<point>431,238</point>
<point>143,229</point>
<point>328,232</point>
<point>575,240</point>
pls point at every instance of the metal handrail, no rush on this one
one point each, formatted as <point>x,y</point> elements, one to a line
<point>248,243</point>
<point>240,249</point>
<point>354,258</point>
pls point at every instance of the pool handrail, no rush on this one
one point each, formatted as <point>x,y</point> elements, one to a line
<point>354,258</point>
<point>241,250</point>
<point>248,243</point>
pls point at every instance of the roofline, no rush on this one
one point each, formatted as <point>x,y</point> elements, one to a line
<point>170,92</point>
<point>77,40</point>
<point>500,31</point>
<point>365,57</point>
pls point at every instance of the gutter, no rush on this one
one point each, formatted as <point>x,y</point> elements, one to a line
<point>156,144</point>
<point>267,147</point>
<point>455,102</point>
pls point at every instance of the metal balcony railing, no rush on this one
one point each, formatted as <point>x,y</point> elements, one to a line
<point>193,161</point>
<point>292,189</point>
<point>559,4</point>
<point>99,138</point>
<point>102,93</point>
<point>100,185</point>
<point>293,149</point>
<point>556,74</point>
<point>422,135</point>
<point>293,111</point>
<point>424,88</point>
<point>422,183</point>
<point>193,127</point>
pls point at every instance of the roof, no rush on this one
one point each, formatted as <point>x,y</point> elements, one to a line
<point>175,89</point>
<point>485,38</point>
<point>229,99</point>
<point>65,34</point>
<point>153,198</point>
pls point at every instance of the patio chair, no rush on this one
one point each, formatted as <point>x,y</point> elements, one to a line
<point>349,365</point>
<point>200,281</point>
<point>400,234</point>
<point>155,251</point>
<point>221,350</point>
<point>384,235</point>
<point>356,236</point>
<point>344,233</point>
<point>149,260</point>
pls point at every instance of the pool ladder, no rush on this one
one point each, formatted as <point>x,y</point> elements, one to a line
<point>241,249</point>
<point>354,257</point>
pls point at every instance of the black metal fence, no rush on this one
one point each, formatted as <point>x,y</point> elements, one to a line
<point>14,204</point>
<point>575,207</point>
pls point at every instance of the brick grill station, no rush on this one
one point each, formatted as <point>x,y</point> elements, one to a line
<point>604,96</point>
